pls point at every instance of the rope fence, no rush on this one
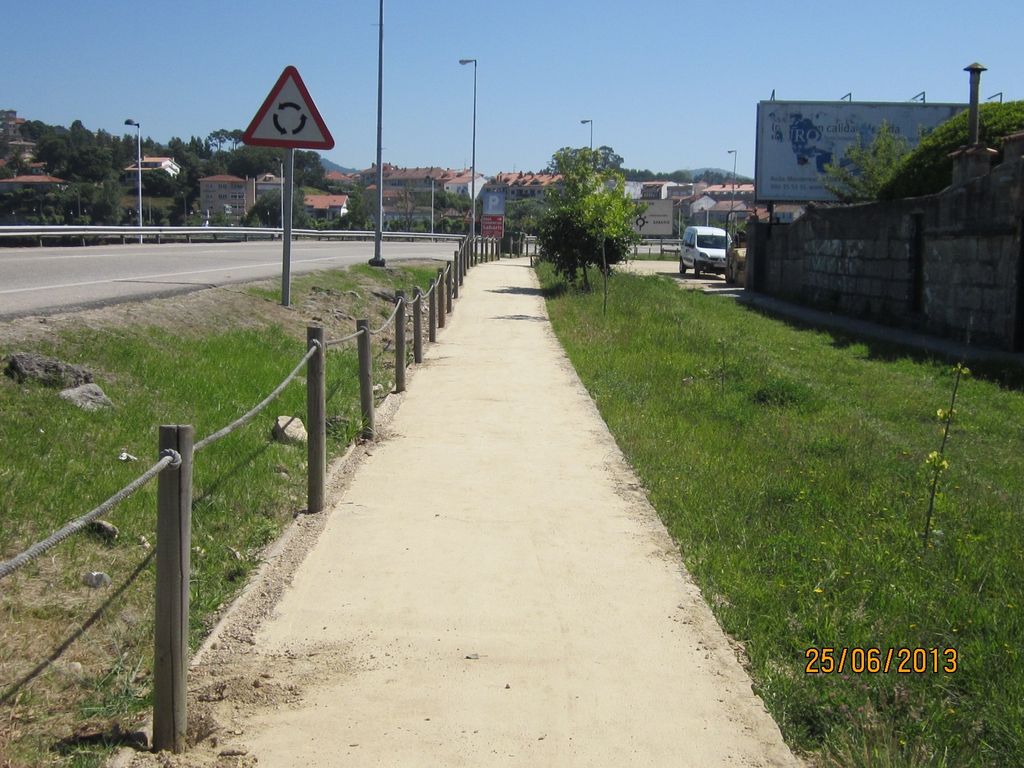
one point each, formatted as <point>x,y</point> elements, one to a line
<point>10,566</point>
<point>174,472</point>
<point>398,305</point>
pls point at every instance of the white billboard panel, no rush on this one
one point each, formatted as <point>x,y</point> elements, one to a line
<point>797,139</point>
<point>656,220</point>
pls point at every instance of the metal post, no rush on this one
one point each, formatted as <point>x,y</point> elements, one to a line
<point>975,71</point>
<point>440,298</point>
<point>286,237</point>
<point>365,379</point>
<point>432,314</point>
<point>173,564</point>
<point>316,424</point>
<point>417,326</point>
<point>378,259</point>
<point>400,342</point>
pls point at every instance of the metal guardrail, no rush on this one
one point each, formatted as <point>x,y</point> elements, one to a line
<point>158,234</point>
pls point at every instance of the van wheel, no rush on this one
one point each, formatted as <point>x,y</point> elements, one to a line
<point>682,267</point>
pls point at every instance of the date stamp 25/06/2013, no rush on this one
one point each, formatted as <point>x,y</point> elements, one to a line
<point>829,660</point>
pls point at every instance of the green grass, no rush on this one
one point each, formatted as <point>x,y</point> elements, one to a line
<point>789,465</point>
<point>57,462</point>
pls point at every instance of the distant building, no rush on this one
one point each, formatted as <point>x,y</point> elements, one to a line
<point>165,164</point>
<point>268,182</point>
<point>337,177</point>
<point>729,191</point>
<point>228,195</point>
<point>523,185</point>
<point>10,132</point>
<point>326,206</point>
<point>456,182</point>
<point>38,182</point>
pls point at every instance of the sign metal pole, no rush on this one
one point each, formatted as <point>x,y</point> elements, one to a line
<point>286,240</point>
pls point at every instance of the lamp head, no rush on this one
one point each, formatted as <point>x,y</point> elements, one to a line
<point>129,121</point>
<point>467,61</point>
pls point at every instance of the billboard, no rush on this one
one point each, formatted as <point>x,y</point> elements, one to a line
<point>656,220</point>
<point>797,139</point>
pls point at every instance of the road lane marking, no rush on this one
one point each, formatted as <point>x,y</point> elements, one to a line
<point>144,278</point>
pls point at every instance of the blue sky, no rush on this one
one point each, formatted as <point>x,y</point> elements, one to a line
<point>668,83</point>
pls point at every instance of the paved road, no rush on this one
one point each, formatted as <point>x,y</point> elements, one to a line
<point>491,589</point>
<point>45,280</point>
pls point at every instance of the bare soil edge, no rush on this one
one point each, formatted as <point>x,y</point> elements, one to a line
<point>220,670</point>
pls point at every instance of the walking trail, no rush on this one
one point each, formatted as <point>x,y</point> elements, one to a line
<point>490,588</point>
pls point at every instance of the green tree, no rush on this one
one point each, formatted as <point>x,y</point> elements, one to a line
<point>589,221</point>
<point>249,162</point>
<point>864,170</point>
<point>603,158</point>
<point>309,171</point>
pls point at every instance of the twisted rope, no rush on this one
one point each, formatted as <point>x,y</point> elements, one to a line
<point>243,420</point>
<point>168,458</point>
<point>336,342</point>
<point>387,322</point>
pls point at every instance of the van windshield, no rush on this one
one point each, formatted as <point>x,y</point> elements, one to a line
<point>711,241</point>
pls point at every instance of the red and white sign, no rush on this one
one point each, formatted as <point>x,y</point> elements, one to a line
<point>288,118</point>
<point>492,225</point>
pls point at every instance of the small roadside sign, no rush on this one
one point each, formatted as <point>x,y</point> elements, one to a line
<point>492,225</point>
<point>288,118</point>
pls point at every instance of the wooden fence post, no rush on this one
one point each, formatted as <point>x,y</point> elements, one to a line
<point>365,379</point>
<point>173,564</point>
<point>440,298</point>
<point>432,314</point>
<point>448,289</point>
<point>400,342</point>
<point>417,326</point>
<point>316,423</point>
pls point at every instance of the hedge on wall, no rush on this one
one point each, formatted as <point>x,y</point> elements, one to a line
<point>929,168</point>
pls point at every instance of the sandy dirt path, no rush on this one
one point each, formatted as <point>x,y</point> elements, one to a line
<point>491,588</point>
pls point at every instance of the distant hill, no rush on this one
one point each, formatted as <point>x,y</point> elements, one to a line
<point>329,166</point>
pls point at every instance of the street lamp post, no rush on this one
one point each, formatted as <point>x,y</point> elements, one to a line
<point>591,122</point>
<point>378,259</point>
<point>472,181</point>
<point>732,200</point>
<point>138,167</point>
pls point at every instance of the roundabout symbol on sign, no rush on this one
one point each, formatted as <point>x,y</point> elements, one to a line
<point>290,105</point>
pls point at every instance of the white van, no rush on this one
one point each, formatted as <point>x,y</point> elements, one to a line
<point>703,250</point>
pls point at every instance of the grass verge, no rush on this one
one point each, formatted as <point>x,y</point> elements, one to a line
<point>792,468</point>
<point>75,663</point>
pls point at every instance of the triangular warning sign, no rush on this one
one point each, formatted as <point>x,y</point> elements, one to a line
<point>288,118</point>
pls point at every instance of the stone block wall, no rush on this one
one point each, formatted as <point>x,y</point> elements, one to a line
<point>949,264</point>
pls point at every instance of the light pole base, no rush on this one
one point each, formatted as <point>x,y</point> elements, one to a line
<point>376,262</point>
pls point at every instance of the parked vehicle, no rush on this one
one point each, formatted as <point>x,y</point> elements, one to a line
<point>736,260</point>
<point>703,250</point>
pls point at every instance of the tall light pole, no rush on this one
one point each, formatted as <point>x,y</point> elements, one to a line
<point>732,200</point>
<point>472,181</point>
<point>591,122</point>
<point>378,260</point>
<point>138,167</point>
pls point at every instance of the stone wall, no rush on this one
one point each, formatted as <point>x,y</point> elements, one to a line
<point>949,264</point>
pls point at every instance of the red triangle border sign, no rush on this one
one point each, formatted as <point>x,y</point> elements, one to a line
<point>257,135</point>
